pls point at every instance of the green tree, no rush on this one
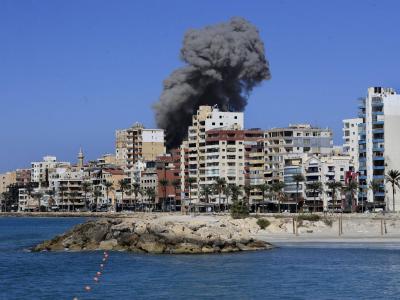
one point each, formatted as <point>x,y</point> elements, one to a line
<point>219,184</point>
<point>298,178</point>
<point>375,187</point>
<point>151,194</point>
<point>316,188</point>
<point>190,181</point>
<point>393,177</point>
<point>164,184</point>
<point>227,193</point>
<point>351,188</point>
<point>263,188</point>
<point>38,195</point>
<point>247,190</point>
<point>136,191</point>
<point>123,187</point>
<point>238,210</point>
<point>109,187</point>
<point>206,192</point>
<point>97,193</point>
<point>277,191</point>
<point>74,196</point>
<point>334,186</point>
<point>86,188</point>
<point>176,183</point>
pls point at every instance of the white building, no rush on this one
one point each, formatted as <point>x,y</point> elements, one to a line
<point>351,139</point>
<point>379,144</point>
<point>315,168</point>
<point>281,143</point>
<point>40,170</point>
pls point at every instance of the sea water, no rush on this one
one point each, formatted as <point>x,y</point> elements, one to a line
<point>289,272</point>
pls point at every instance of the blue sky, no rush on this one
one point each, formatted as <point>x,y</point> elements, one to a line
<point>71,72</point>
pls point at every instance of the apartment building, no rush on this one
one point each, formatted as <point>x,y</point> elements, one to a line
<point>379,143</point>
<point>40,170</point>
<point>351,139</point>
<point>7,179</point>
<point>201,163</point>
<point>314,168</point>
<point>138,144</point>
<point>66,185</point>
<point>295,139</point>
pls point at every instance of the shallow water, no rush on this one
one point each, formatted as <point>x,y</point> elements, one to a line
<point>306,272</point>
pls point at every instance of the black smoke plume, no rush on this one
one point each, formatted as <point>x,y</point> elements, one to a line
<point>224,63</point>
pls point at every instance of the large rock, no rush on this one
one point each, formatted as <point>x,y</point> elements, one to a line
<point>157,235</point>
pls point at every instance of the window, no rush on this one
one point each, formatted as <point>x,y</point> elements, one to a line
<point>221,124</point>
<point>235,117</point>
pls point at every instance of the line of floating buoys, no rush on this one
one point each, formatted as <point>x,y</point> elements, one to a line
<point>98,273</point>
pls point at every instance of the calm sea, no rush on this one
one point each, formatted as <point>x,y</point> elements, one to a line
<point>306,272</point>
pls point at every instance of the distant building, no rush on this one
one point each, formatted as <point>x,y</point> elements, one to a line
<point>40,170</point>
<point>379,143</point>
<point>138,144</point>
<point>295,139</point>
<point>7,179</point>
<point>351,139</point>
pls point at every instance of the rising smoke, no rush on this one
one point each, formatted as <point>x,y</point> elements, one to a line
<point>224,63</point>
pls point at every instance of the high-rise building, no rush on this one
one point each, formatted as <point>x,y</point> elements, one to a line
<point>281,143</point>
<point>138,144</point>
<point>202,163</point>
<point>379,143</point>
<point>351,139</point>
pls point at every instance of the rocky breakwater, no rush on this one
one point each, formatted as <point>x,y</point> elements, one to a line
<point>165,234</point>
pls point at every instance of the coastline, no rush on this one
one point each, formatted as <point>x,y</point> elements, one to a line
<point>356,228</point>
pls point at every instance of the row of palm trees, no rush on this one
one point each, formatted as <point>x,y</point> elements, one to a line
<point>351,188</point>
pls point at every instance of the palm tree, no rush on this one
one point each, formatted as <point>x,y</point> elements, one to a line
<point>263,188</point>
<point>236,192</point>
<point>190,182</point>
<point>227,193</point>
<point>350,188</point>
<point>247,190</point>
<point>334,186</point>
<point>73,196</point>
<point>276,189</point>
<point>151,194</point>
<point>176,183</point>
<point>164,184</point>
<point>393,177</point>
<point>375,187</point>
<point>316,187</point>
<point>97,193</point>
<point>38,196</point>
<point>206,191</point>
<point>50,193</point>
<point>86,187</point>
<point>136,191</point>
<point>219,187</point>
<point>297,178</point>
<point>109,187</point>
<point>123,187</point>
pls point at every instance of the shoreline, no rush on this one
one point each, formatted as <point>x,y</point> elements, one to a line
<point>358,228</point>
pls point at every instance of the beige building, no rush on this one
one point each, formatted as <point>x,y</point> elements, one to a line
<point>7,179</point>
<point>203,164</point>
<point>138,144</point>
